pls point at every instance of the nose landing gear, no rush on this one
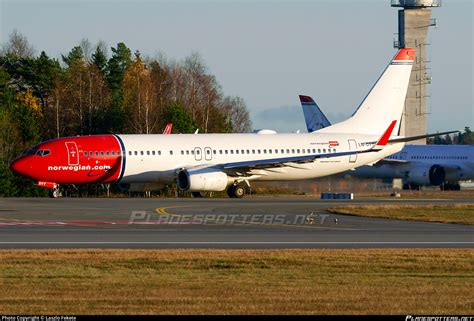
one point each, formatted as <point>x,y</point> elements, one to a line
<point>56,192</point>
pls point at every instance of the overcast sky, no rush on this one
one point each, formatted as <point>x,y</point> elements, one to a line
<point>268,52</point>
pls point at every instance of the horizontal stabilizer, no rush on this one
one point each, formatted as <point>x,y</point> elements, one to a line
<point>412,138</point>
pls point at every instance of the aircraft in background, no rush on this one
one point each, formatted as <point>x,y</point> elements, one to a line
<point>313,116</point>
<point>417,165</point>
<point>168,128</point>
<point>214,162</point>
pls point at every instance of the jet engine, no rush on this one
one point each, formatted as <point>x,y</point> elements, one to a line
<point>427,175</point>
<point>203,180</point>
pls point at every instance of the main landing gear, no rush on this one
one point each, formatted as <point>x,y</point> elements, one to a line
<point>238,190</point>
<point>200,194</point>
<point>411,186</point>
<point>450,187</point>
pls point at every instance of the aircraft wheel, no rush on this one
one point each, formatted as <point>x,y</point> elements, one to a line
<point>55,193</point>
<point>239,191</point>
<point>230,191</point>
<point>413,187</point>
<point>200,194</point>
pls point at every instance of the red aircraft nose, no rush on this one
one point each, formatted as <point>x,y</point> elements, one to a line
<point>22,166</point>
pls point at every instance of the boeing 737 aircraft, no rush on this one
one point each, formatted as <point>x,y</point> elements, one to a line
<point>417,165</point>
<point>213,162</point>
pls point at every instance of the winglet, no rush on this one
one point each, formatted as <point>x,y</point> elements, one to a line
<point>385,137</point>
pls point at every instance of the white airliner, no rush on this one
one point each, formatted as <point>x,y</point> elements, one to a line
<point>417,165</point>
<point>214,162</point>
<point>425,165</point>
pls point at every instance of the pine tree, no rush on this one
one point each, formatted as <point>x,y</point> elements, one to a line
<point>181,119</point>
<point>99,59</point>
<point>467,136</point>
<point>44,72</point>
<point>75,55</point>
<point>118,63</point>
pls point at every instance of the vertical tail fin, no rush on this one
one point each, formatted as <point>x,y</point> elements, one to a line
<point>385,101</point>
<point>314,117</point>
<point>168,128</point>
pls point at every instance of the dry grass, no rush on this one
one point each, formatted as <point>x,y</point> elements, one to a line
<point>428,193</point>
<point>457,213</point>
<point>394,281</point>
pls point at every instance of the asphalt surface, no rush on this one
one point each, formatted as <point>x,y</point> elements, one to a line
<point>257,222</point>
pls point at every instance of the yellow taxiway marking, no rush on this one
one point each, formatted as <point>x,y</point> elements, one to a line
<point>162,210</point>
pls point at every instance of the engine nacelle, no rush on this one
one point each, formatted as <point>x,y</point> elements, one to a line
<point>429,175</point>
<point>203,180</point>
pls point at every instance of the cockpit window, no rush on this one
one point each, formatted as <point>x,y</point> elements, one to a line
<point>31,151</point>
<point>43,152</point>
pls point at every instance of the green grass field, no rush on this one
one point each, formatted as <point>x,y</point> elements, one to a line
<point>459,213</point>
<point>393,281</point>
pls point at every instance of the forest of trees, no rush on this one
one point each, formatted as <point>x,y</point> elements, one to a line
<point>89,91</point>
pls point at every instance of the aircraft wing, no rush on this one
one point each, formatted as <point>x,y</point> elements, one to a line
<point>271,163</point>
<point>283,161</point>
<point>399,162</point>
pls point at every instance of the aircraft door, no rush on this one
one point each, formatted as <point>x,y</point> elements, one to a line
<point>403,155</point>
<point>352,147</point>
<point>72,153</point>
<point>208,153</point>
<point>197,153</point>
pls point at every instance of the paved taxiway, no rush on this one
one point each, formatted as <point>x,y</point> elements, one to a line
<point>257,222</point>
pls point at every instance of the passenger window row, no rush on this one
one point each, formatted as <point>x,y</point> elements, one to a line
<point>214,151</point>
<point>238,151</point>
<point>439,157</point>
<point>102,153</point>
<point>142,153</point>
